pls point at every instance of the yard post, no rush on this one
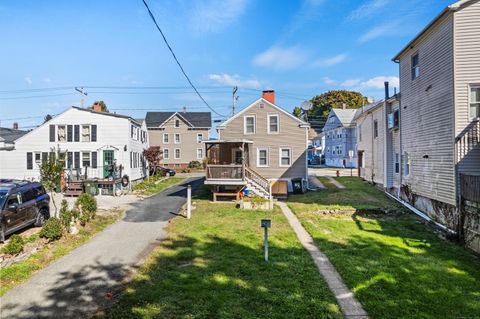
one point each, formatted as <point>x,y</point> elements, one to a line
<point>189,201</point>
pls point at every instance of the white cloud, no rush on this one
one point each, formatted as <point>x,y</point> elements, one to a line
<point>329,81</point>
<point>350,82</point>
<point>281,58</point>
<point>28,80</point>
<point>330,61</point>
<point>367,9</point>
<point>379,31</point>
<point>235,80</point>
<point>373,83</point>
<point>215,15</point>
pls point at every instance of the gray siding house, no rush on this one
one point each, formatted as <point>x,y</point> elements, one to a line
<point>340,138</point>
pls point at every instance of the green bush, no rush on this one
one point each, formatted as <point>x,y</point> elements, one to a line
<point>195,165</point>
<point>65,215</point>
<point>14,245</point>
<point>52,230</point>
<point>87,205</point>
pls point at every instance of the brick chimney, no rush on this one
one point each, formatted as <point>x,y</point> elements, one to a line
<point>269,95</point>
<point>15,125</point>
<point>97,107</point>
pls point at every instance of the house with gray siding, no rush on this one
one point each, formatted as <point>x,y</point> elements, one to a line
<point>438,118</point>
<point>340,138</point>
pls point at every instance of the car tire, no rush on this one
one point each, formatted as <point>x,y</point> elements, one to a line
<point>42,218</point>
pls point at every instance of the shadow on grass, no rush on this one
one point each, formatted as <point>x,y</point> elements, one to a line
<point>219,278</point>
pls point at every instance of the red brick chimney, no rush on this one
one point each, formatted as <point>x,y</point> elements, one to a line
<point>269,95</point>
<point>15,125</point>
<point>97,107</point>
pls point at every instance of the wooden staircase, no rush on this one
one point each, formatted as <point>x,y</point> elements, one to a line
<point>258,184</point>
<point>74,188</point>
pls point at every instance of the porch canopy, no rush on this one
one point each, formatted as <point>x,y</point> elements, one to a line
<point>226,161</point>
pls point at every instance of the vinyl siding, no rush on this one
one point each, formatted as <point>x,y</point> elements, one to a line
<point>427,114</point>
<point>467,72</point>
<point>290,135</point>
<point>188,141</point>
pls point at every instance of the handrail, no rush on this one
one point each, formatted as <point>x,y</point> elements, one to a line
<point>468,139</point>
<point>261,181</point>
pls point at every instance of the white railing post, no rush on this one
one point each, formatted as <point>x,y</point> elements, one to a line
<point>189,201</point>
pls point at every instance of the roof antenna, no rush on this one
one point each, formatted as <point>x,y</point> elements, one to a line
<point>184,109</point>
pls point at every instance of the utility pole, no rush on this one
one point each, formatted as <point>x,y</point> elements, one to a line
<point>83,94</point>
<point>235,98</point>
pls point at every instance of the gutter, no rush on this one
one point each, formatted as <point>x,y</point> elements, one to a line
<point>422,215</point>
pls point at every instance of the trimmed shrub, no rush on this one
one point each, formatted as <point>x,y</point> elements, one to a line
<point>195,165</point>
<point>65,215</point>
<point>52,230</point>
<point>14,246</point>
<point>87,205</point>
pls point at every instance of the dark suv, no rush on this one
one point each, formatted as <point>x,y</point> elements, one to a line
<point>22,203</point>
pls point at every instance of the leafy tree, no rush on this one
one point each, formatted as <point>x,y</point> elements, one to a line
<point>103,106</point>
<point>297,111</point>
<point>47,118</point>
<point>51,170</point>
<point>323,104</point>
<point>153,155</point>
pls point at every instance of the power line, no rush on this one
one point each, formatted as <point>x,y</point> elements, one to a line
<point>34,96</point>
<point>176,60</point>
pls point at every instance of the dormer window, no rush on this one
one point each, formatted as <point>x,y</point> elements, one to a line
<point>415,66</point>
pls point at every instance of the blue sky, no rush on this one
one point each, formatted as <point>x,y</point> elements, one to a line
<point>299,48</point>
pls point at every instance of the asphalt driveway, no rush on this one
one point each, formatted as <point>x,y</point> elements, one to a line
<point>91,275</point>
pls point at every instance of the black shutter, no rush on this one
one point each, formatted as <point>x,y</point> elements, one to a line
<point>76,133</point>
<point>131,160</point>
<point>77,159</point>
<point>44,157</point>
<point>52,133</point>
<point>69,133</point>
<point>69,159</point>
<point>94,133</point>
<point>29,160</point>
<point>94,159</point>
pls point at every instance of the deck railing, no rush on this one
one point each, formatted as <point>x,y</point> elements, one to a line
<point>258,179</point>
<point>470,187</point>
<point>215,171</point>
<point>468,139</point>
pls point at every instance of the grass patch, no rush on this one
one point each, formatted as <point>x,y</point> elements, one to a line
<point>394,263</point>
<point>212,267</point>
<point>15,274</point>
<point>326,182</point>
<point>155,184</point>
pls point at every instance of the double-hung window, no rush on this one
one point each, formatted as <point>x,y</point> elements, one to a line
<point>61,133</point>
<point>249,124</point>
<point>273,124</point>
<point>85,133</point>
<point>415,66</point>
<point>177,153</point>
<point>177,123</point>
<point>285,156</point>
<point>474,102</point>
<point>262,157</point>
<point>407,165</point>
<point>177,138</point>
<point>165,138</point>
<point>199,137</point>
<point>166,153</point>
<point>85,159</point>
<point>199,153</point>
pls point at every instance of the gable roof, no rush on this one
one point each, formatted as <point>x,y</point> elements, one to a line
<point>302,123</point>
<point>451,8</point>
<point>9,135</point>
<point>107,114</point>
<point>194,119</point>
<point>345,116</point>
<point>367,108</point>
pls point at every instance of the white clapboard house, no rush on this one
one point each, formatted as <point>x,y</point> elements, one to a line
<point>93,141</point>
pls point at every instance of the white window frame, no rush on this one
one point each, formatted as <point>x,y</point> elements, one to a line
<point>175,153</point>
<point>201,138</point>
<point>201,150</point>
<point>175,138</point>
<point>64,131</point>
<point>415,70</point>
<point>245,124</point>
<point>280,149</point>
<point>267,157</point>
<point>175,123</point>
<point>89,158</point>
<point>270,115</point>
<point>408,165</point>
<point>166,153</point>
<point>168,138</point>
<point>470,89</point>
<point>82,139</point>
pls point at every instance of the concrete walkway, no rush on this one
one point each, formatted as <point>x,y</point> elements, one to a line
<point>91,275</point>
<point>315,183</point>
<point>335,182</point>
<point>350,306</point>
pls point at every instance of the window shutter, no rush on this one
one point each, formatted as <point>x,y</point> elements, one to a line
<point>52,133</point>
<point>94,133</point>
<point>76,133</point>
<point>77,159</point>
<point>69,133</point>
<point>44,157</point>
<point>29,160</point>
<point>131,160</point>
<point>94,159</point>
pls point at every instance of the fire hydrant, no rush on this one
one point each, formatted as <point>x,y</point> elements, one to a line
<point>338,173</point>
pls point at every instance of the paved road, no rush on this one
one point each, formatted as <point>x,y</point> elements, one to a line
<point>77,284</point>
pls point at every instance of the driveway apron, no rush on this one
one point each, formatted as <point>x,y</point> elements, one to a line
<point>91,275</point>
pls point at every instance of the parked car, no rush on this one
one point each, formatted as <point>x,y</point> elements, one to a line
<point>165,171</point>
<point>22,204</point>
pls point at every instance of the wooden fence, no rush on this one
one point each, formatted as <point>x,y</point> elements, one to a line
<point>470,187</point>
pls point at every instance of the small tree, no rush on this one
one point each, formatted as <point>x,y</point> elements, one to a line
<point>103,106</point>
<point>47,118</point>
<point>51,171</point>
<point>153,155</point>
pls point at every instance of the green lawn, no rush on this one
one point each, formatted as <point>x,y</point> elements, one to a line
<point>394,263</point>
<point>212,267</point>
<point>155,184</point>
<point>15,274</point>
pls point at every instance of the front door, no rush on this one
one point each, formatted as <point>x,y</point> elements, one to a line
<point>107,161</point>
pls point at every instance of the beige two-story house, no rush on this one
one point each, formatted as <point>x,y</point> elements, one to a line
<point>260,145</point>
<point>179,135</point>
